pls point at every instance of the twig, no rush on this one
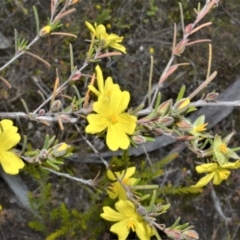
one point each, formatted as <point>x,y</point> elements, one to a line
<point>92,147</point>
<point>66,175</point>
<point>201,103</point>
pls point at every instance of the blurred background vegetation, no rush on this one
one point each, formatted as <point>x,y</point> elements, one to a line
<point>64,208</point>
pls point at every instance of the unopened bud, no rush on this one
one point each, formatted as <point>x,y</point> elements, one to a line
<point>41,112</point>
<point>45,30</point>
<point>56,105</point>
<point>211,97</point>
<point>138,139</point>
<point>60,149</point>
<point>179,49</point>
<point>158,131</point>
<point>76,76</point>
<point>188,29</point>
<point>43,154</point>
<point>190,235</point>
<point>184,125</point>
<point>65,118</point>
<point>165,107</point>
<point>166,121</point>
<point>142,211</point>
<point>182,105</point>
<point>173,234</point>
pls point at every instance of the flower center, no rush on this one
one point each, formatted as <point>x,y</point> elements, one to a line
<point>125,181</point>
<point>113,119</point>
<point>223,148</point>
<point>200,127</point>
<point>131,224</point>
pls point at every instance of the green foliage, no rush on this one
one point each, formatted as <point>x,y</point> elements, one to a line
<point>148,173</point>
<point>178,190</point>
<point>54,220</point>
<point>153,9</point>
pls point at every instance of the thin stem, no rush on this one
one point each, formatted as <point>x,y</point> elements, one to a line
<point>17,55</point>
<point>66,175</point>
<point>150,81</point>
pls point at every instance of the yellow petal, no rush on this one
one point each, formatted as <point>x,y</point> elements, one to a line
<point>204,181</point>
<point>129,172</point>
<point>208,167</point>
<point>97,123</point>
<point>144,231</point>
<point>113,191</point>
<point>8,124</point>
<point>111,215</point>
<point>90,27</point>
<point>126,207</point>
<point>94,90</point>
<point>230,165</point>
<point>99,79</point>
<point>221,174</point>
<point>127,123</point>
<point>116,138</point>
<point>121,229</point>
<point>125,98</point>
<point>8,139</point>
<point>10,162</point>
<point>101,33</point>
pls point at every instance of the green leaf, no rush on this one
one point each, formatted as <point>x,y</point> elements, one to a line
<point>181,93</point>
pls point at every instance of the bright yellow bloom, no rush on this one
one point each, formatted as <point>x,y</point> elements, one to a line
<point>104,90</point>
<point>127,218</point>
<point>116,189</point>
<point>45,30</point>
<point>9,137</point>
<point>110,116</point>
<point>215,172</point>
<point>106,40</point>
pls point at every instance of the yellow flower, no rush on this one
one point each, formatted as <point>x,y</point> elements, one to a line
<point>104,90</point>
<point>127,219</point>
<point>106,40</point>
<point>45,30</point>
<point>221,152</point>
<point>199,126</point>
<point>9,137</point>
<point>111,117</point>
<point>216,172</point>
<point>116,189</point>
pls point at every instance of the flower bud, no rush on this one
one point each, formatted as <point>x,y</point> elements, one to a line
<point>142,211</point>
<point>41,112</point>
<point>182,105</point>
<point>65,118</point>
<point>211,97</point>
<point>188,29</point>
<point>56,105</point>
<point>138,139</point>
<point>173,234</point>
<point>165,107</point>
<point>179,49</point>
<point>43,154</point>
<point>158,131</point>
<point>60,149</point>
<point>76,76</point>
<point>45,30</point>
<point>190,235</point>
<point>166,121</point>
<point>184,125</point>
